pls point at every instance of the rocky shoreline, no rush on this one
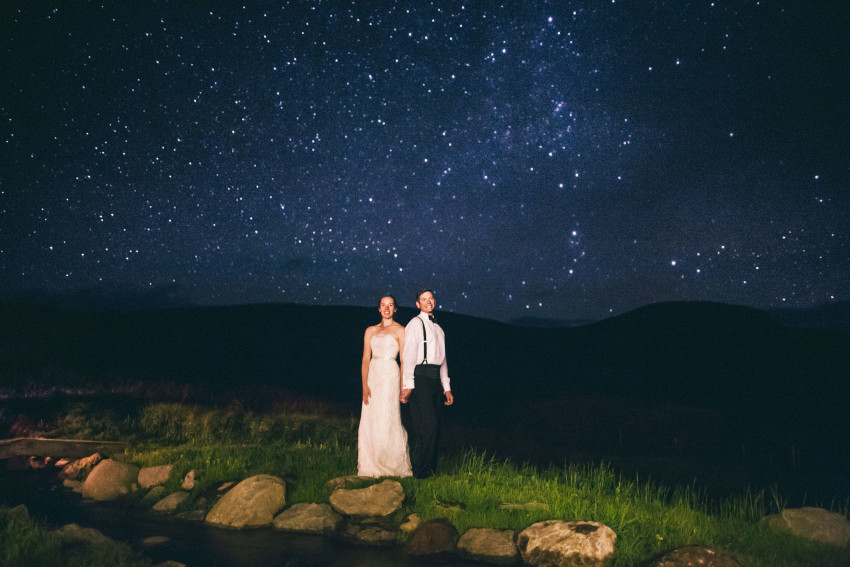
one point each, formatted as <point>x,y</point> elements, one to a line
<point>369,511</point>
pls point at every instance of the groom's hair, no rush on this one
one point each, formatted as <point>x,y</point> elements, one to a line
<point>424,290</point>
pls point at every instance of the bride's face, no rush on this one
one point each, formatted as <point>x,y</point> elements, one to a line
<point>387,307</point>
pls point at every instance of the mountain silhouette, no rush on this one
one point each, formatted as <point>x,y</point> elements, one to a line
<point>674,388</point>
<point>702,354</point>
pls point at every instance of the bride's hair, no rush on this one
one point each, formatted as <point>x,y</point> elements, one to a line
<point>395,303</point>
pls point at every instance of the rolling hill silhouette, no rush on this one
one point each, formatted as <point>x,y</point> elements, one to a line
<point>705,354</point>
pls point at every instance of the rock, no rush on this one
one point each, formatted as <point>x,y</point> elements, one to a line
<point>308,518</point>
<point>411,524</point>
<point>156,494</point>
<point>348,482</point>
<point>252,503</point>
<point>695,556</point>
<point>527,507</point>
<point>110,480</point>
<point>433,537</point>
<point>170,563</point>
<point>169,504</point>
<point>78,534</point>
<point>188,481</point>
<point>155,540</point>
<point>563,544</point>
<point>61,463</point>
<point>374,535</point>
<point>153,476</point>
<point>192,515</point>
<point>79,469</point>
<point>225,486</point>
<point>812,523</point>
<point>492,546</point>
<point>377,500</point>
<point>36,463</point>
<point>75,485</point>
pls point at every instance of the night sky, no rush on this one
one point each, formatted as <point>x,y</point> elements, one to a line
<point>562,160</point>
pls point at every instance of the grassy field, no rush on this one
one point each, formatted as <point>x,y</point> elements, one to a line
<point>308,445</point>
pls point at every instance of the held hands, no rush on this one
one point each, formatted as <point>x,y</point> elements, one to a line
<point>367,393</point>
<point>405,396</point>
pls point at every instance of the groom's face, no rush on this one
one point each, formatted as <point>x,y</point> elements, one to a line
<point>426,302</point>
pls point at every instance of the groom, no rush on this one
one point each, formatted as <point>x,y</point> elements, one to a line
<point>425,380</point>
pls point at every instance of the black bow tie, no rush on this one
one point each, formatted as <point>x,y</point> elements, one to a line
<point>433,319</point>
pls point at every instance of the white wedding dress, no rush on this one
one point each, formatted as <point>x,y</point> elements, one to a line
<point>382,441</point>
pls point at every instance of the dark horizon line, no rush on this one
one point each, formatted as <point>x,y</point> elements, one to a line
<point>790,316</point>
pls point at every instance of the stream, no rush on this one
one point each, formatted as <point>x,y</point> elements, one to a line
<point>192,543</point>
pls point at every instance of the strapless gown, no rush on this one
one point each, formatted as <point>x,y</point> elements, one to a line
<point>382,440</point>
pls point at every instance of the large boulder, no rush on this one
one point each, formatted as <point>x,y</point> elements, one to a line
<point>377,500</point>
<point>79,469</point>
<point>156,494</point>
<point>110,479</point>
<point>170,503</point>
<point>75,485</point>
<point>432,538</point>
<point>492,546</point>
<point>308,518</point>
<point>567,544</point>
<point>252,503</point>
<point>695,556</point>
<point>154,476</point>
<point>74,533</point>
<point>812,523</point>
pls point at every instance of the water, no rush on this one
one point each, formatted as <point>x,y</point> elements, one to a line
<point>194,543</point>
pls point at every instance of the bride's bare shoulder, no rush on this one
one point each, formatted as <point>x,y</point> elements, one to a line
<point>371,330</point>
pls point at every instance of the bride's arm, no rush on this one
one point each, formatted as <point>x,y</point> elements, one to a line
<point>403,394</point>
<point>364,365</point>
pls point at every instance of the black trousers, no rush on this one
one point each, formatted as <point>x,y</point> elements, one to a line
<point>425,401</point>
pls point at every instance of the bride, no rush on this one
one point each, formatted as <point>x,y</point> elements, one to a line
<point>382,441</point>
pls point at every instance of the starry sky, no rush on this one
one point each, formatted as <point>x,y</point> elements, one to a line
<point>562,160</point>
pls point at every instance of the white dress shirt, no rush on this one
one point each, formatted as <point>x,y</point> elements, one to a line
<point>414,351</point>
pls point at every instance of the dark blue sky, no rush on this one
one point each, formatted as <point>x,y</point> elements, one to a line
<point>539,159</point>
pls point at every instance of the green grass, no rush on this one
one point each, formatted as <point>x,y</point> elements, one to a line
<point>308,448</point>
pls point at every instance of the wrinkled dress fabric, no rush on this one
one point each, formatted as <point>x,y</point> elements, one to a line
<point>382,440</point>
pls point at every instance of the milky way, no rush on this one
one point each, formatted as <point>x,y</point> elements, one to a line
<point>529,159</point>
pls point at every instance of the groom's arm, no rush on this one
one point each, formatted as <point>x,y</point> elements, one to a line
<point>445,380</point>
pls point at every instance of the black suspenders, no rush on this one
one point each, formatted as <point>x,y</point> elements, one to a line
<point>424,341</point>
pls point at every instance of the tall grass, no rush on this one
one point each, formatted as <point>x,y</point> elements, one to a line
<point>472,490</point>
